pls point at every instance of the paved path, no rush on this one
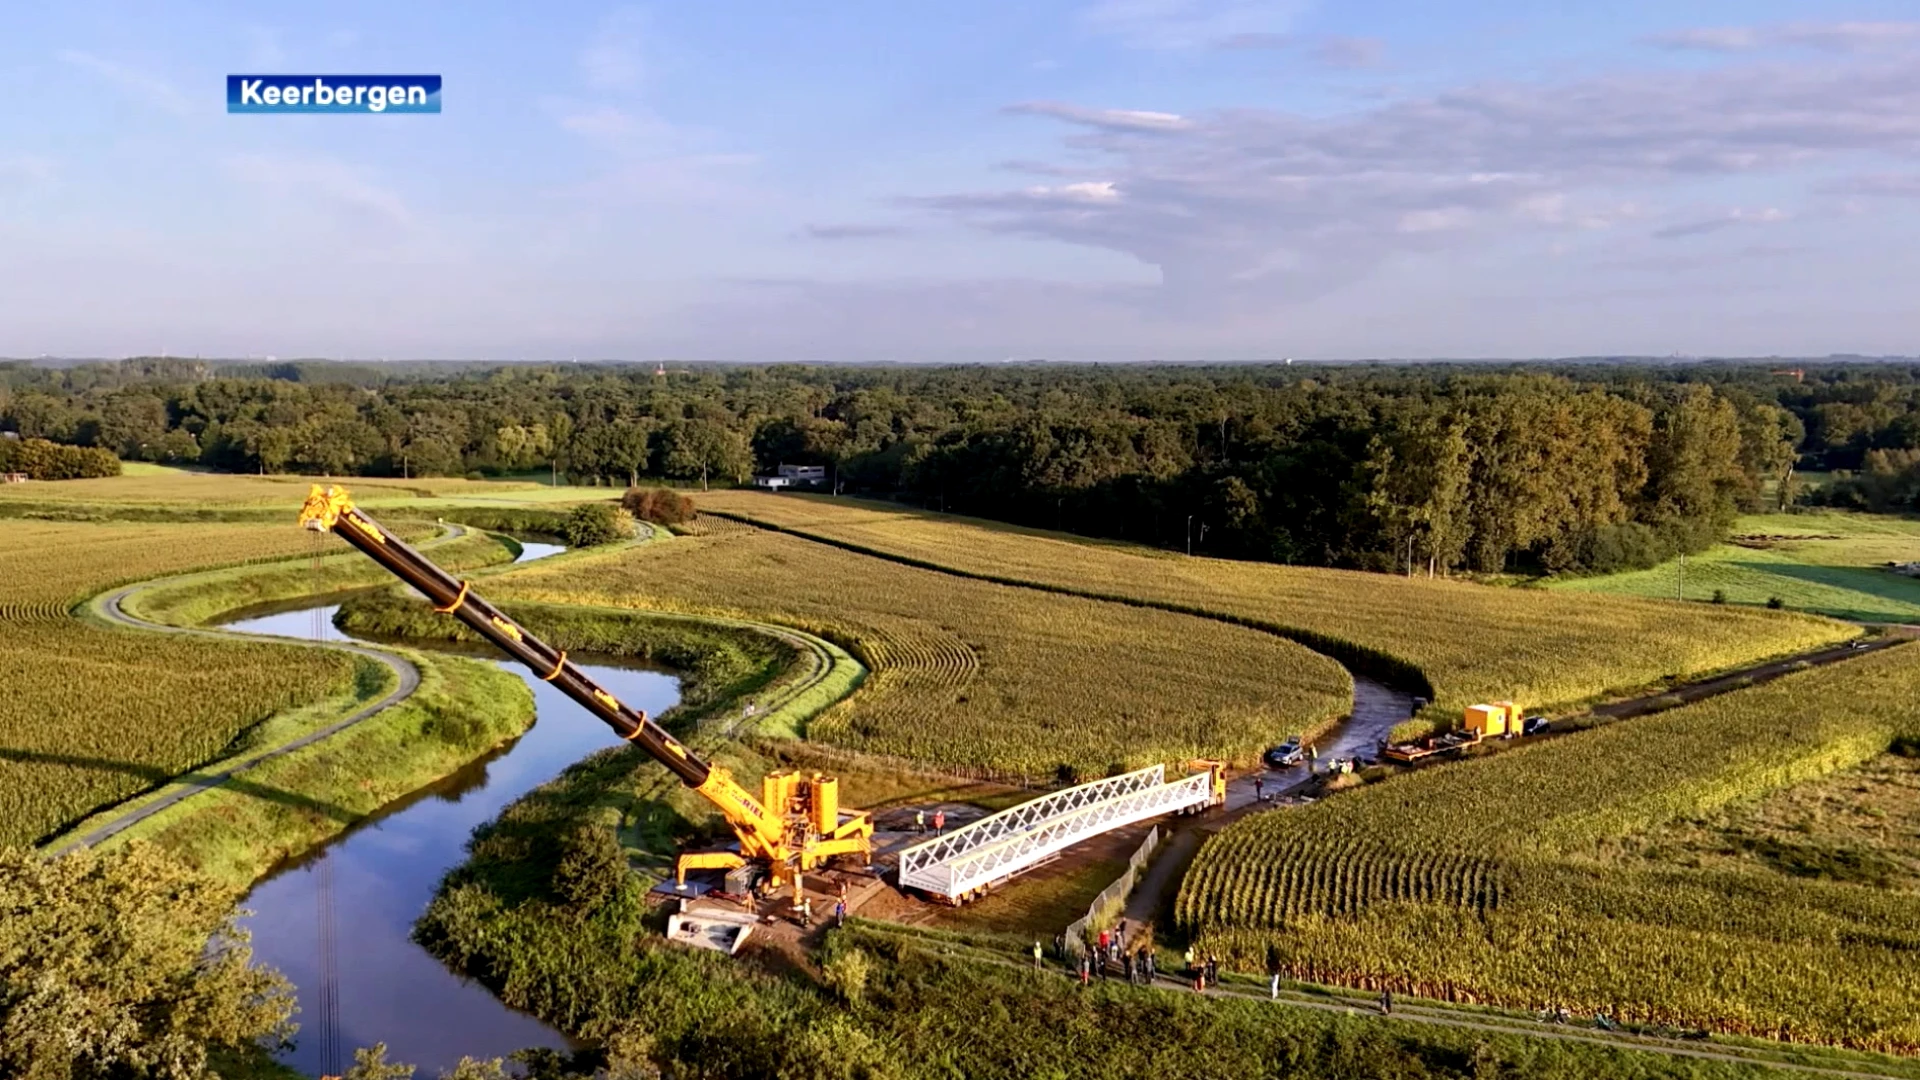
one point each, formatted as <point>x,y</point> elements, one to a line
<point>112,607</point>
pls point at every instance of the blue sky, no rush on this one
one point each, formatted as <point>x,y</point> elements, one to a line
<point>1084,180</point>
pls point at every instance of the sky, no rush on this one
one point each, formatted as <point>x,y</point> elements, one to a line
<point>1110,180</point>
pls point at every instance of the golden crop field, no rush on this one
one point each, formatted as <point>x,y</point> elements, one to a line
<point>180,487</point>
<point>1472,642</point>
<point>91,714</point>
<point>1491,880</point>
<point>48,566</point>
<point>975,674</point>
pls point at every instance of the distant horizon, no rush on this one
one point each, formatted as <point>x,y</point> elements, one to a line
<point>1828,358</point>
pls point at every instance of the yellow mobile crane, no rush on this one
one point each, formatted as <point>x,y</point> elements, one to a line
<point>796,824</point>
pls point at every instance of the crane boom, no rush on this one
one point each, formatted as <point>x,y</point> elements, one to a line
<point>763,830</point>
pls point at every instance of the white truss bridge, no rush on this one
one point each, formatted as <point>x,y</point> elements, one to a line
<point>997,847</point>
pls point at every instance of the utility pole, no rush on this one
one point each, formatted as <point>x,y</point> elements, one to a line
<point>1189,534</point>
<point>1680,578</point>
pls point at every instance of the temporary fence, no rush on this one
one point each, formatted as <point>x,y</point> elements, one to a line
<point>1111,898</point>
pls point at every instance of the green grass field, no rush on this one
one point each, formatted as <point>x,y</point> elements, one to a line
<point>1829,562</point>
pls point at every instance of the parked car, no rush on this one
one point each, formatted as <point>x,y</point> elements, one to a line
<point>1536,725</point>
<point>1286,754</point>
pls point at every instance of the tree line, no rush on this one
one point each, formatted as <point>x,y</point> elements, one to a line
<point>1422,468</point>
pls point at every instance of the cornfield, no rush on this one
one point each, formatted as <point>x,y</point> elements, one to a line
<point>92,715</point>
<point>1488,881</point>
<point>1471,642</point>
<point>214,489</point>
<point>972,674</point>
<point>48,567</point>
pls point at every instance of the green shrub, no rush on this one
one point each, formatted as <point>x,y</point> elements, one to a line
<point>847,974</point>
<point>591,524</point>
<point>591,871</point>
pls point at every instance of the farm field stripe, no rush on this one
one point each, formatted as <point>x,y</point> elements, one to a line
<point>407,678</point>
<point>1343,652</point>
<point>1356,657</point>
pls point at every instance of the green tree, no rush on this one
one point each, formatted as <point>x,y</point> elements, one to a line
<point>125,964</point>
<point>705,450</point>
<point>592,524</point>
<point>370,1063</point>
<point>592,870</point>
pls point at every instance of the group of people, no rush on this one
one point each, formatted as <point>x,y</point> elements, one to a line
<point>939,821</point>
<point>1109,950</point>
<point>803,909</point>
<point>1204,970</point>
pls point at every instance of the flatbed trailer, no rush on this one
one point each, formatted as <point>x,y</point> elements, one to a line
<point>1452,742</point>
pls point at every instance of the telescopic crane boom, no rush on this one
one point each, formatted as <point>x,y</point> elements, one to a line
<point>797,826</point>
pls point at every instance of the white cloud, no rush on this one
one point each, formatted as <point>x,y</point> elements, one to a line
<point>1091,191</point>
<point>310,180</point>
<point>26,170</point>
<point>1833,37</point>
<point>1209,203</point>
<point>851,232</point>
<point>1349,53</point>
<point>1441,220</point>
<point>1714,223</point>
<point>142,87</point>
<point>1109,119</point>
<point>612,60</point>
<point>604,122</point>
<point>264,52</point>
<point>1880,185</point>
<point>1188,24</point>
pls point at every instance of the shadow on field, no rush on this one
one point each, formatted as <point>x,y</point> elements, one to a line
<point>1869,583</point>
<point>156,777</point>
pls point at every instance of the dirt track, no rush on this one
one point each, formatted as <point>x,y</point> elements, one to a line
<point>111,606</point>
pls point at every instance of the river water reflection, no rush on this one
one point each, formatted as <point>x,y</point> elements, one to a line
<point>383,872</point>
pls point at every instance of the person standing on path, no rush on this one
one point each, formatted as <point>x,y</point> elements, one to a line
<point>1259,789</point>
<point>1189,959</point>
<point>1273,987</point>
<point>1152,964</point>
<point>839,913</point>
<point>1036,954</point>
<point>1386,1003</point>
<point>1127,965</point>
<point>1086,969</point>
<point>939,822</point>
<point>920,821</point>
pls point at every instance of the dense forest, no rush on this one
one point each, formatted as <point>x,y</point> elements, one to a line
<point>1415,468</point>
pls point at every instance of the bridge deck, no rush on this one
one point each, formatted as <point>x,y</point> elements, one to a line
<point>1005,843</point>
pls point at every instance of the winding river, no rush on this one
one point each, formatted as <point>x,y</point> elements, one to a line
<point>360,894</point>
